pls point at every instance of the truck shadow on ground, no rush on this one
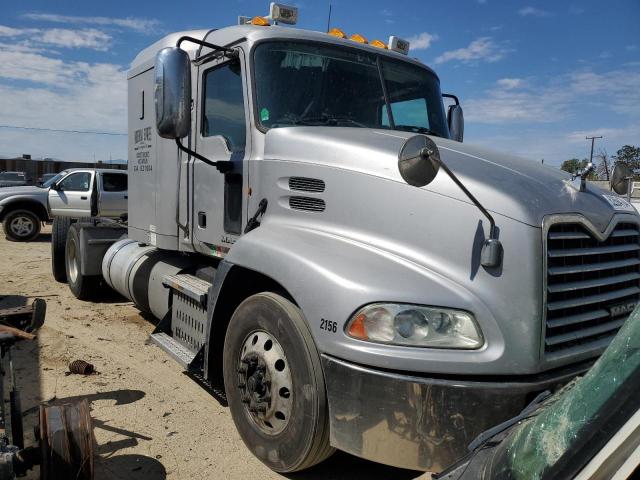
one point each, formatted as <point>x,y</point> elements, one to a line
<point>342,466</point>
<point>42,238</point>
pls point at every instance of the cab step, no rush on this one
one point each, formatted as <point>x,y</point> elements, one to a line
<point>182,332</point>
<point>175,349</point>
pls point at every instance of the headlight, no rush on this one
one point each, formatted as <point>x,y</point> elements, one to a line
<point>414,325</point>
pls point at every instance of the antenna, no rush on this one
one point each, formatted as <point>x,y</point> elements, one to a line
<point>329,20</point>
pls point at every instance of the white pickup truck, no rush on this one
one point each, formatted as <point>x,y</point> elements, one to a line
<point>73,193</point>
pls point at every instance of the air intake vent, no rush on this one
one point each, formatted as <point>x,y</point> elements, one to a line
<point>304,184</point>
<point>592,286</point>
<point>307,203</point>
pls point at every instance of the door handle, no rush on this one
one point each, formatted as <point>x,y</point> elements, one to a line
<point>83,198</point>
<point>126,197</point>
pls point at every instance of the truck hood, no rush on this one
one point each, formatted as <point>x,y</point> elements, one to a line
<point>518,188</point>
<point>23,191</point>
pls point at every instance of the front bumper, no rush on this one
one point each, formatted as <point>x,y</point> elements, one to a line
<point>418,422</point>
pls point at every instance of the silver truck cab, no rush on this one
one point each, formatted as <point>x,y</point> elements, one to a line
<point>341,301</point>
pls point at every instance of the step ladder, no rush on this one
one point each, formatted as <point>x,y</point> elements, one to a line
<point>182,332</point>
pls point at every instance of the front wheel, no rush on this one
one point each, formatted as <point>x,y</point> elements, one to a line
<point>21,225</point>
<point>59,231</point>
<point>275,385</point>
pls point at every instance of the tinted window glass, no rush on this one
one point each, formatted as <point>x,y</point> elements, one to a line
<point>114,182</point>
<point>224,106</point>
<point>76,182</point>
<point>343,87</point>
<point>416,102</point>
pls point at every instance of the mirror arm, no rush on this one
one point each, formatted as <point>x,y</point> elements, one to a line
<point>223,166</point>
<point>491,255</point>
<point>230,52</point>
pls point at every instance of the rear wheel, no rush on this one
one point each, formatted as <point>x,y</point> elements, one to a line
<point>274,384</point>
<point>59,231</point>
<point>82,286</point>
<point>21,225</point>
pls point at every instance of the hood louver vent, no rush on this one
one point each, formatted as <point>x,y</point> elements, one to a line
<point>307,203</point>
<point>304,184</point>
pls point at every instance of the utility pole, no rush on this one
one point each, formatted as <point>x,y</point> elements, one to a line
<point>593,139</point>
<point>329,20</point>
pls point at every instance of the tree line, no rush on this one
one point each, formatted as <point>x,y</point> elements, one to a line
<point>604,162</point>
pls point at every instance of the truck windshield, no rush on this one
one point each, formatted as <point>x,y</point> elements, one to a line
<point>301,83</point>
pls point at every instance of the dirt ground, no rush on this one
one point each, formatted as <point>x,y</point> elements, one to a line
<point>151,421</point>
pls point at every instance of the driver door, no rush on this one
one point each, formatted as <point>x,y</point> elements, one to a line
<point>221,134</point>
<point>71,196</point>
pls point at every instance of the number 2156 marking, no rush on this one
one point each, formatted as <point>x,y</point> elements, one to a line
<point>328,325</point>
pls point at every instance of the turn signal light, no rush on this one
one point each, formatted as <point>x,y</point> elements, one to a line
<point>261,21</point>
<point>336,32</point>
<point>378,43</point>
<point>357,329</point>
<point>356,37</point>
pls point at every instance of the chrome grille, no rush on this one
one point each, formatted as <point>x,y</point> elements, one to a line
<point>591,286</point>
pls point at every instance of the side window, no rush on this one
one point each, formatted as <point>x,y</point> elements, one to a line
<point>76,182</point>
<point>223,112</point>
<point>114,182</point>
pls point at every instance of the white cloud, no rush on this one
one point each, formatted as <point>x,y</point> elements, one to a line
<point>87,38</point>
<point>533,12</point>
<point>631,131</point>
<point>509,83</point>
<point>60,37</point>
<point>481,49</point>
<point>422,41</point>
<point>631,48</point>
<point>615,91</point>
<point>142,25</point>
<point>64,95</point>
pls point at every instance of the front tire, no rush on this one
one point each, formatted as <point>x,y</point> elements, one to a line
<point>59,231</point>
<point>21,225</point>
<point>274,384</point>
<point>82,286</point>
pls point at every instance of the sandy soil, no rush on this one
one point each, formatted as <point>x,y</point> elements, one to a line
<point>151,421</point>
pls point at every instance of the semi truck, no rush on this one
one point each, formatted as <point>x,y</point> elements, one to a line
<point>321,248</point>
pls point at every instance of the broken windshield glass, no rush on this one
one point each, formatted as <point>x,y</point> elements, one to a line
<point>579,417</point>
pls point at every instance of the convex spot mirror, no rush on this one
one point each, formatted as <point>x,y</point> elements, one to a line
<point>419,161</point>
<point>173,93</point>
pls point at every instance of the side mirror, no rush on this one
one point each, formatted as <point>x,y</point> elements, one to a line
<point>54,186</point>
<point>621,178</point>
<point>419,161</point>
<point>455,119</point>
<point>173,93</point>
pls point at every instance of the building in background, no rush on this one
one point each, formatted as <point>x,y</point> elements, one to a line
<point>35,168</point>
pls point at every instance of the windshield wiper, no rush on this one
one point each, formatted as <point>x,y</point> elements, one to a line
<point>327,120</point>
<point>415,129</point>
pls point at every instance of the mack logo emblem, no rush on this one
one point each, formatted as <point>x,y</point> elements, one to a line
<point>621,309</point>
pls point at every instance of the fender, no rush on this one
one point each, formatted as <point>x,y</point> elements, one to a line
<point>330,277</point>
<point>27,201</point>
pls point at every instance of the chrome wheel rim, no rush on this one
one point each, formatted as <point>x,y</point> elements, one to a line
<point>72,259</point>
<point>22,226</point>
<point>264,382</point>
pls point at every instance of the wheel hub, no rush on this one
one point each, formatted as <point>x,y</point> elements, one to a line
<point>22,226</point>
<point>264,382</point>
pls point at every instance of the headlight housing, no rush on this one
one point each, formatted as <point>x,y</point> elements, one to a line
<point>415,325</point>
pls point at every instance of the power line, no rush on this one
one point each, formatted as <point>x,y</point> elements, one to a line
<point>86,132</point>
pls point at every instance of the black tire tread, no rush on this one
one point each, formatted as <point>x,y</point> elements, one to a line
<point>7,221</point>
<point>59,231</point>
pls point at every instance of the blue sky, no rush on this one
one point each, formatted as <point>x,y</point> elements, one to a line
<point>534,77</point>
